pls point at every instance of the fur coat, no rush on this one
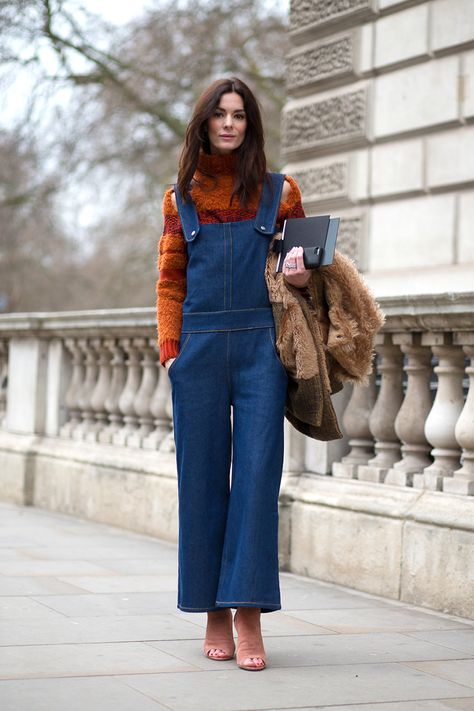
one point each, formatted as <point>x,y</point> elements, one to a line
<point>324,337</point>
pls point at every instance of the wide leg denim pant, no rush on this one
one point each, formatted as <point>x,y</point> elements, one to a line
<point>228,510</point>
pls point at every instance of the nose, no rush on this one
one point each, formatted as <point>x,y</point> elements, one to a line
<point>228,120</point>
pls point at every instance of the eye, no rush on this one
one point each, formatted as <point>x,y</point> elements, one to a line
<point>218,114</point>
<point>240,116</point>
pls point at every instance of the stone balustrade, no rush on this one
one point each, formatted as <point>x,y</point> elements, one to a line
<point>95,376</point>
<point>86,428</point>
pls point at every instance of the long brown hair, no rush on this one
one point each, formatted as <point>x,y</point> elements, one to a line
<point>251,162</point>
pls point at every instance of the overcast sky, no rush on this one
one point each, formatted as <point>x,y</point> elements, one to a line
<point>118,12</point>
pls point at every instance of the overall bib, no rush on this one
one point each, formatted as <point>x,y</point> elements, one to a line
<point>228,520</point>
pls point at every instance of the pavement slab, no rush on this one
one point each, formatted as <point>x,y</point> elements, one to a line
<point>320,685</point>
<point>73,694</point>
<point>88,620</point>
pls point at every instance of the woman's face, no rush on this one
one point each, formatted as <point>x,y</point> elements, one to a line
<point>226,127</point>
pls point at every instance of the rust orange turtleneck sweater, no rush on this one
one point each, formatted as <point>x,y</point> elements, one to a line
<point>212,204</point>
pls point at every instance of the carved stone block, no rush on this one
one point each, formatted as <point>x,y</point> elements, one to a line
<point>340,117</point>
<point>323,182</point>
<point>350,236</point>
<point>308,12</point>
<point>320,62</point>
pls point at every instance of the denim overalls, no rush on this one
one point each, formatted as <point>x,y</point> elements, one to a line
<point>228,534</point>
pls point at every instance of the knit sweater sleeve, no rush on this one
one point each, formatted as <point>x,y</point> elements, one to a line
<point>292,206</point>
<point>171,283</point>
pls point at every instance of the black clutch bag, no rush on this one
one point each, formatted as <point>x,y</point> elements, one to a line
<point>317,235</point>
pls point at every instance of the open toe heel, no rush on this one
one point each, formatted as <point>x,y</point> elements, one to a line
<point>220,639</point>
<point>250,649</point>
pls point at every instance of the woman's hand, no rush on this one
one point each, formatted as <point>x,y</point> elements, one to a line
<point>294,269</point>
<point>168,362</point>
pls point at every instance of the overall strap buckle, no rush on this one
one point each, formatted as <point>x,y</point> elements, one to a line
<point>188,216</point>
<point>267,213</point>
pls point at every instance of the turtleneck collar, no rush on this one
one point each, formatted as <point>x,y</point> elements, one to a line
<point>217,163</point>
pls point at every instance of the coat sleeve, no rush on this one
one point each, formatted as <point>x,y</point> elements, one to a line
<point>355,318</point>
<point>171,282</point>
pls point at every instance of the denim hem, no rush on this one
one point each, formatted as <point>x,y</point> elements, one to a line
<point>265,606</point>
<point>197,609</point>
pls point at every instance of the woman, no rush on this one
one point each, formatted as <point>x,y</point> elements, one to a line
<point>217,341</point>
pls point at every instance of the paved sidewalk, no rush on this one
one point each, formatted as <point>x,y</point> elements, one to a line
<point>88,621</point>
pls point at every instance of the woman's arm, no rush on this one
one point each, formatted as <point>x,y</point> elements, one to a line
<point>291,206</point>
<point>171,283</point>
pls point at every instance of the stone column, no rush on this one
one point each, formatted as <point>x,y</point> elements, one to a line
<point>463,478</point>
<point>58,379</point>
<point>134,372</point>
<point>26,388</point>
<point>85,394</point>
<point>294,450</point>
<point>387,405</point>
<point>417,403</point>
<point>158,408</point>
<point>168,443</point>
<point>74,389</point>
<point>117,384</point>
<point>143,397</point>
<point>448,404</point>
<point>356,424</point>
<point>101,390</point>
<point>3,379</point>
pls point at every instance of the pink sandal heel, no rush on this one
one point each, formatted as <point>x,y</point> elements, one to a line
<point>219,639</point>
<point>250,646</point>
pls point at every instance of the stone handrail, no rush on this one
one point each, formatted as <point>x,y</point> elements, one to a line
<point>95,376</point>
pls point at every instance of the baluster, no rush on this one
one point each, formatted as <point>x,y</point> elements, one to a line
<point>410,421</point>
<point>127,397</point>
<point>158,408</point>
<point>356,424</point>
<point>462,481</point>
<point>3,379</point>
<point>101,390</point>
<point>75,386</point>
<point>294,450</point>
<point>168,443</point>
<point>117,384</point>
<point>447,406</point>
<point>387,405</point>
<point>142,400</point>
<point>85,394</point>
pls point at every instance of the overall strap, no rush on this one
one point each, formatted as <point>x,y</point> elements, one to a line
<point>188,216</point>
<point>267,214</point>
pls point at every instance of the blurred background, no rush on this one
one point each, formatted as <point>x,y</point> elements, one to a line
<point>94,100</point>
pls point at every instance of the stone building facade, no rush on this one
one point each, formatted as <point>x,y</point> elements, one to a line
<point>379,130</point>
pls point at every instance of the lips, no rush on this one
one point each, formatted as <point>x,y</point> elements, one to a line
<point>226,135</point>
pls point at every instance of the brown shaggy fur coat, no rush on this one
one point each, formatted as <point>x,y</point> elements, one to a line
<point>324,337</point>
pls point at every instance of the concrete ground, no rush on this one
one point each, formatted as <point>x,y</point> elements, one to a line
<point>88,621</point>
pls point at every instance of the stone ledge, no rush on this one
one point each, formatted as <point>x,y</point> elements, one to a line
<point>431,507</point>
<point>143,461</point>
<point>407,545</point>
<point>60,323</point>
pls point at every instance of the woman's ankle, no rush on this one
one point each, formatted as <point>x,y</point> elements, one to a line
<point>249,615</point>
